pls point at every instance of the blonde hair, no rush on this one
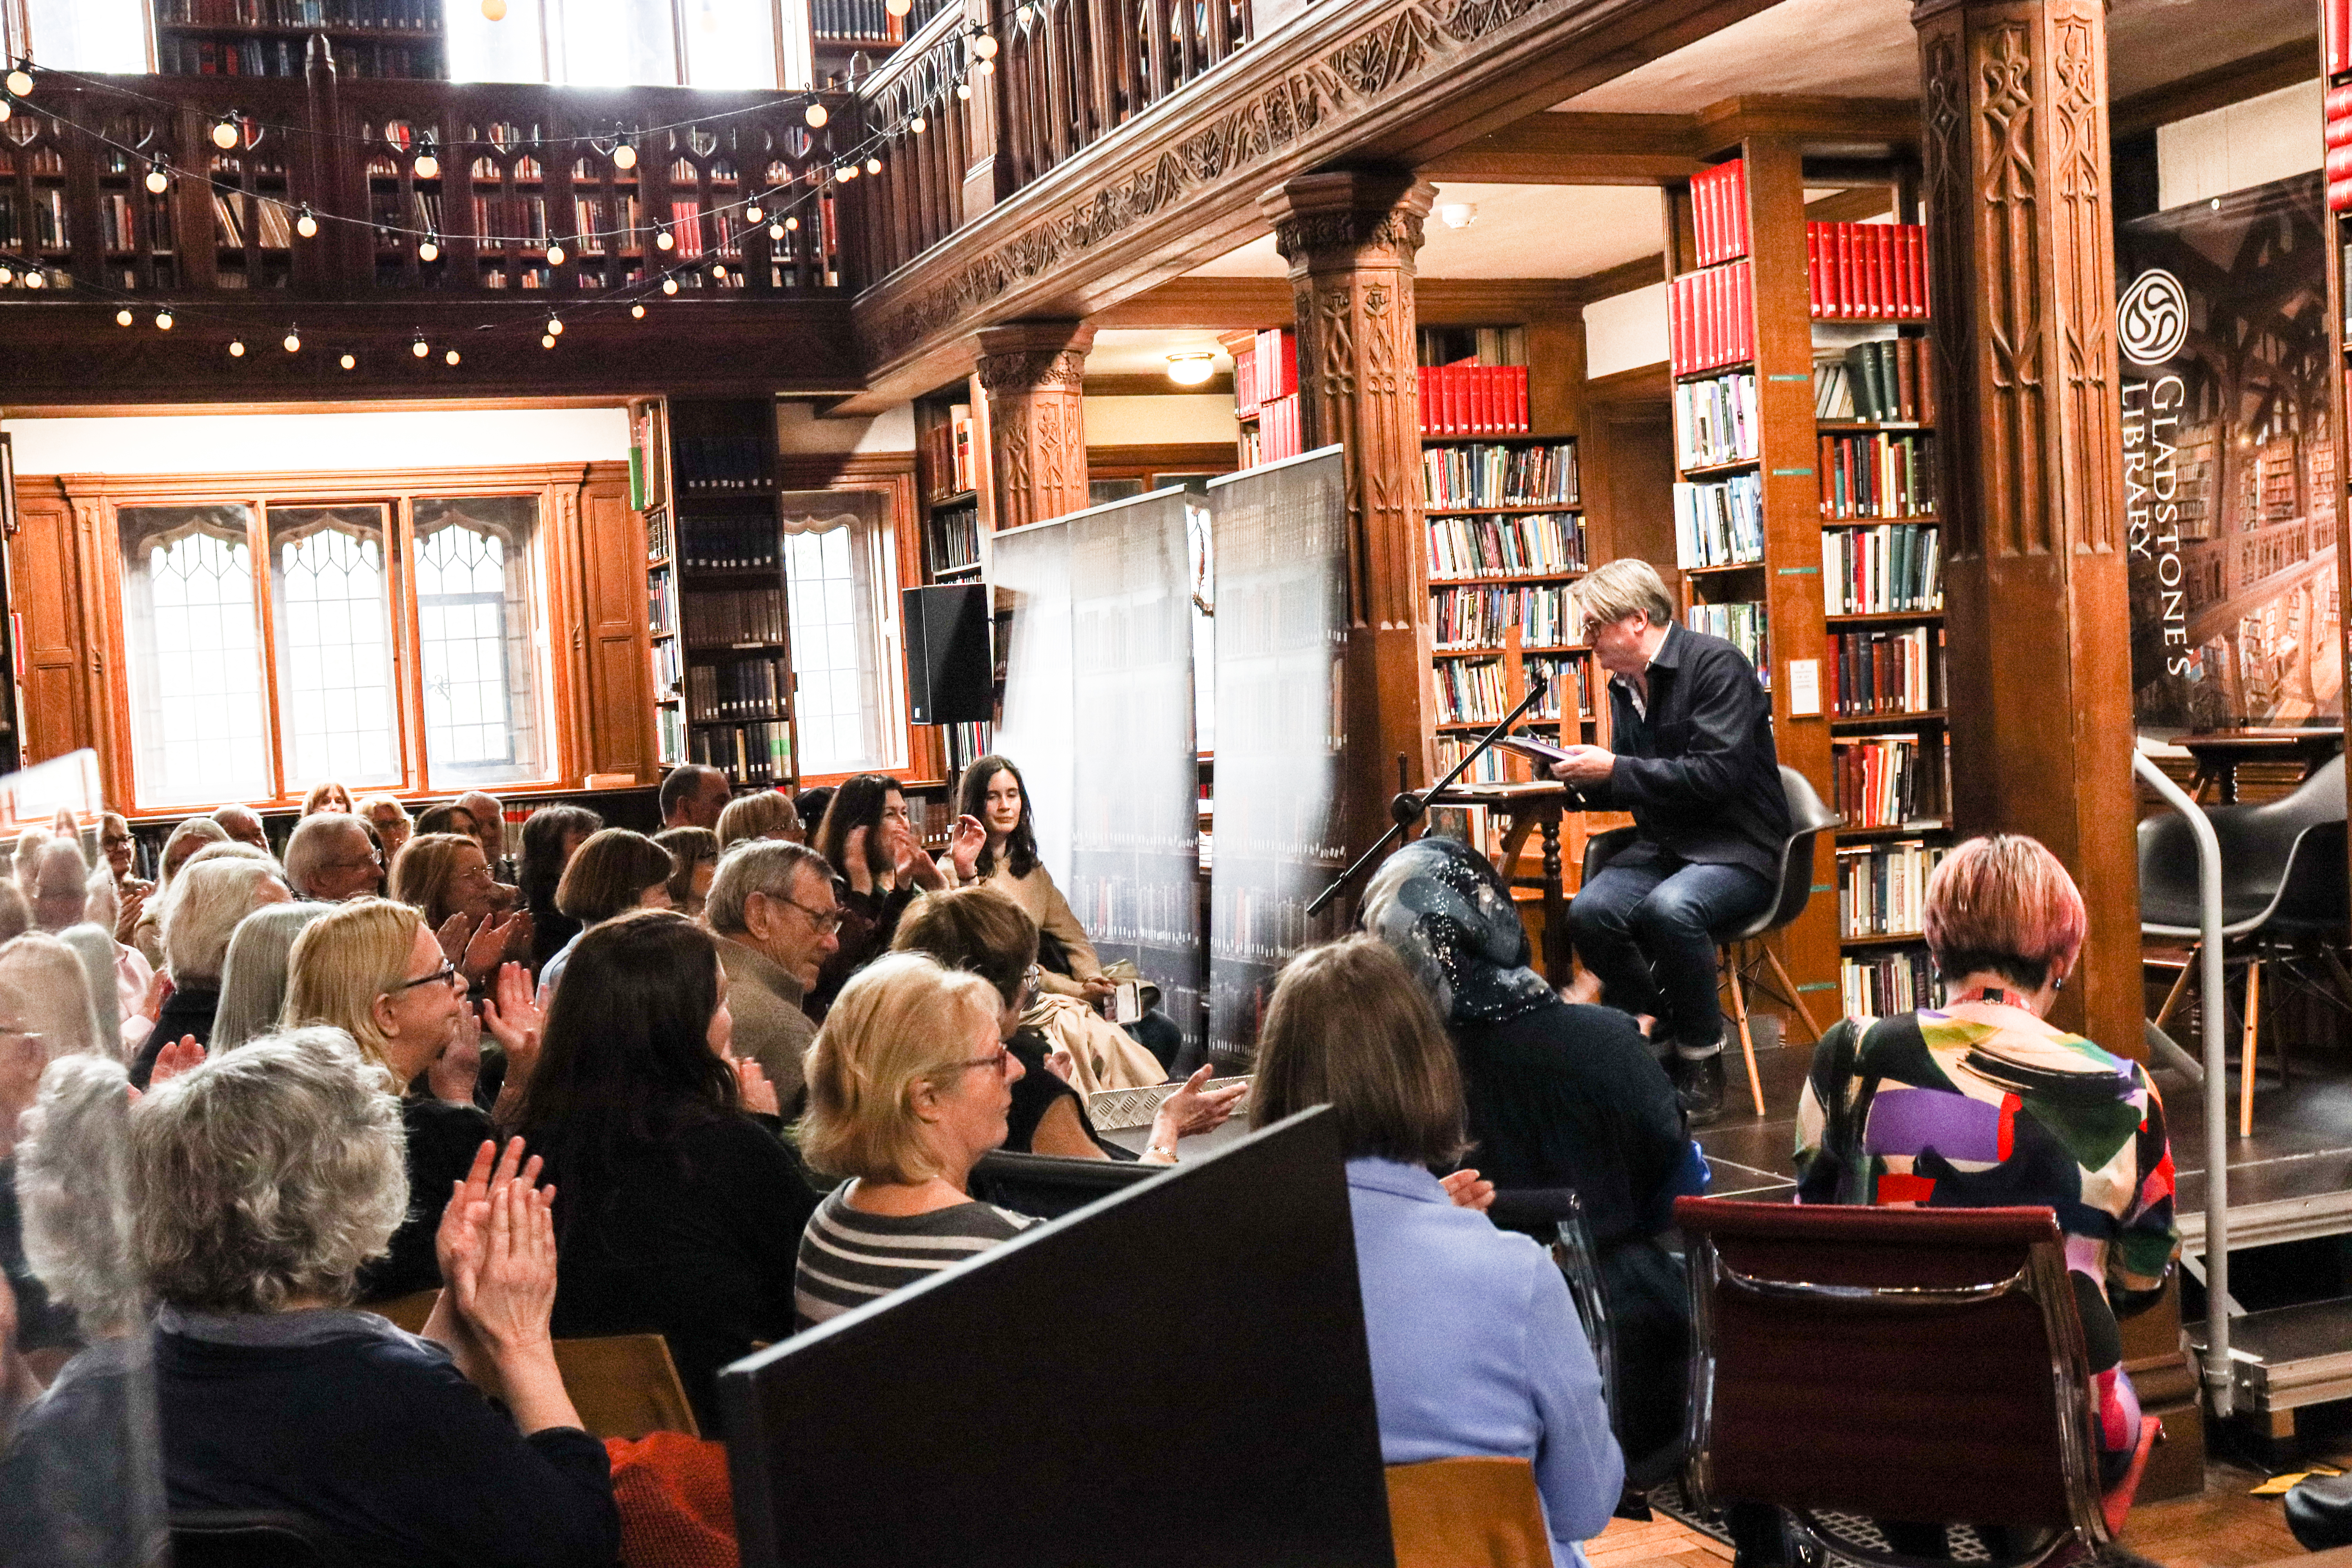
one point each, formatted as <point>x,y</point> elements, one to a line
<point>342,962</point>
<point>756,816</point>
<point>901,1021</point>
<point>426,866</point>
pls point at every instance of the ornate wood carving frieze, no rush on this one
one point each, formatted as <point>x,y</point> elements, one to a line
<point>1034,374</point>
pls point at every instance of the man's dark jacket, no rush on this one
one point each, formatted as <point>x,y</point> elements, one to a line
<point>1699,774</point>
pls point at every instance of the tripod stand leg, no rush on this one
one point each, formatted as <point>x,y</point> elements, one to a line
<point>1796,998</point>
<point>1746,1042</point>
<point>2172,997</point>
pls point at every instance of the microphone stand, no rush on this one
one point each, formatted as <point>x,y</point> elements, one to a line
<point>1408,807</point>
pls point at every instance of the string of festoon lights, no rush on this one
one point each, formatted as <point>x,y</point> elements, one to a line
<point>780,207</point>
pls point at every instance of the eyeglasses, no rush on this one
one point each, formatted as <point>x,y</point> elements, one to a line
<point>826,922</point>
<point>115,841</point>
<point>445,975</point>
<point>996,1058</point>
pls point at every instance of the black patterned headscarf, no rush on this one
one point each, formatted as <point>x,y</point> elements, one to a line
<point>1439,906</point>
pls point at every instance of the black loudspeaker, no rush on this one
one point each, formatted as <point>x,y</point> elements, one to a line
<point>950,675</point>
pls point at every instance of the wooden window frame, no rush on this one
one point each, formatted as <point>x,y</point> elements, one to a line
<point>577,737</point>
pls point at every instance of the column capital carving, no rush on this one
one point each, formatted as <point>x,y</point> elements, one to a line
<point>1352,217</point>
<point>1021,356</point>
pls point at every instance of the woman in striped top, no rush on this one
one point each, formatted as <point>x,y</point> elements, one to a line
<point>908,1086</point>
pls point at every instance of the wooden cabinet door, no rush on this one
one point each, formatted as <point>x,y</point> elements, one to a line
<point>61,661</point>
<point>620,722</point>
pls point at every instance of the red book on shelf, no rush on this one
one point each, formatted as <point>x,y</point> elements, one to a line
<point>1493,376</point>
<point>1457,396</point>
<point>1675,326</point>
<point>1703,218</point>
<point>2339,195</point>
<point>1481,419</point>
<point>2339,163</point>
<point>1847,298</point>
<point>1739,204</point>
<point>2336,33</point>
<point>1713,356</point>
<point>1906,295</point>
<point>1519,419</point>
<point>1748,309</point>
<point>1813,268</point>
<point>1872,238</point>
<point>2338,105</point>
<point>1718,202</point>
<point>2339,124</point>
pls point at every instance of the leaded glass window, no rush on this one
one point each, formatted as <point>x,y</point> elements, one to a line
<point>336,707</point>
<point>842,581</point>
<point>199,730</point>
<point>476,638</point>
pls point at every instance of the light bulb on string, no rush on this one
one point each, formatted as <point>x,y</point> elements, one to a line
<point>496,10</point>
<point>451,357</point>
<point>898,7</point>
<point>753,213</point>
<point>37,278</point>
<point>420,348</point>
<point>237,349</point>
<point>293,341</point>
<point>159,179</point>
<point>554,254</point>
<point>963,90</point>
<point>547,339</point>
<point>845,174</point>
<point>984,46</point>
<point>5,110</point>
<point>669,285</point>
<point>915,125</point>
<point>427,166</point>
<point>6,277</point>
<point>624,156</point>
<point>775,234</point>
<point>791,223</point>
<point>122,317</point>
<point>225,133</point>
<point>718,270</point>
<point>307,226</point>
<point>1024,15</point>
<point>162,320</point>
<point>20,80</point>
<point>638,311</point>
<point>873,165</point>
<point>815,115</point>
<point>429,249</point>
<point>349,362</point>
<point>664,239</point>
<point>554,326</point>
<point>983,65</point>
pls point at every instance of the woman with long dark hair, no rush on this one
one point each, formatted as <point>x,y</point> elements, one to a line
<point>869,839</point>
<point>678,1207</point>
<point>996,843</point>
<point>550,837</point>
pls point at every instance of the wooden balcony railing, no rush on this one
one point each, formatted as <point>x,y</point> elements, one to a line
<point>1064,74</point>
<point>517,168</point>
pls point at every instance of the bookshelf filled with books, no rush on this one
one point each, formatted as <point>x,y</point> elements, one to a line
<point>849,38</point>
<point>950,467</point>
<point>392,38</point>
<point>1266,395</point>
<point>705,478</point>
<point>1805,520</point>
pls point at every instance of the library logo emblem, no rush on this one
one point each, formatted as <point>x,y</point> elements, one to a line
<point>2152,317</point>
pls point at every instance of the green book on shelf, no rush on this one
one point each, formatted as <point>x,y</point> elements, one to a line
<point>1862,370</point>
<point>637,478</point>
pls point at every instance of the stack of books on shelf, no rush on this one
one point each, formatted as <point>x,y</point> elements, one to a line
<point>661,603</point>
<point>1476,617</point>
<point>1742,626</point>
<point>1279,432</point>
<point>648,464</point>
<point>711,464</point>
<point>1542,544</point>
<point>1719,213</point>
<point>657,525</point>
<point>1877,474</point>
<point>1868,271</point>
<point>1881,780</point>
<point>1266,388</point>
<point>751,617</point>
<point>855,21</point>
<point>1570,695</point>
<point>1895,568</point>
<point>1474,399</point>
<point>1887,984</point>
<point>746,689</point>
<point>390,15</point>
<point>1889,381</point>
<point>1719,523</point>
<point>758,753</point>
<point>1465,820</point>
<point>1711,317</point>
<point>666,668</point>
<point>947,456</point>
<point>728,543</point>
<point>1881,672</point>
<point>1883,887</point>
<point>669,726</point>
<point>1716,421</point>
<point>954,538</point>
<point>270,228</point>
<point>2336,109</point>
<point>1471,477</point>
<point>1470,691</point>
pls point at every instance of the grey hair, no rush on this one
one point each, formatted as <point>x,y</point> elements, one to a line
<point>101,900</point>
<point>208,900</point>
<point>72,1186</point>
<point>94,946</point>
<point>52,984</point>
<point>1626,586</point>
<point>313,840</point>
<point>203,828</point>
<point>65,851</point>
<point>758,865</point>
<point>270,1175</point>
<point>253,976</point>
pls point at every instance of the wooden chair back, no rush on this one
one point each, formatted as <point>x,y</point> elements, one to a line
<point>1914,1364</point>
<point>624,1386</point>
<point>1467,1513</point>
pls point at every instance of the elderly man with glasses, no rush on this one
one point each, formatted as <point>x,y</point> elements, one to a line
<point>331,857</point>
<point>773,908</point>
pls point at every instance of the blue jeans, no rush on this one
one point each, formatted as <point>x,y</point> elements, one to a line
<point>1643,925</point>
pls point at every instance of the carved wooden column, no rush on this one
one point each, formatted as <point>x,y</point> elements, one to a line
<point>1034,373</point>
<point>2023,291</point>
<point>1350,239</point>
<point>2038,664</point>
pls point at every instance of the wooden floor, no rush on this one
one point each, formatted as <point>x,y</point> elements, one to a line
<point>1629,1543</point>
<point>2222,1529</point>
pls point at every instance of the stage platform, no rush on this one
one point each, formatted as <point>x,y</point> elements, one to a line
<point>2290,1182</point>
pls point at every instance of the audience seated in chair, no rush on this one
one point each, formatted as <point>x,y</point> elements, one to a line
<point>1476,1346</point>
<point>147,931</point>
<point>550,839</point>
<point>909,1085</point>
<point>869,840</point>
<point>694,861</point>
<point>679,1203</point>
<point>329,796</point>
<point>275,1394</point>
<point>1985,1104</point>
<point>448,876</point>
<point>216,888</point>
<point>765,814</point>
<point>332,856</point>
<point>254,975</point>
<point>772,910</point>
<point>393,826</point>
<point>983,929</point>
<point>1559,1095</point>
<point>617,870</point>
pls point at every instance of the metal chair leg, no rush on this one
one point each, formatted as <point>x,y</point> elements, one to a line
<point>2246,1049</point>
<point>2172,997</point>
<point>1740,1012</point>
<point>1796,997</point>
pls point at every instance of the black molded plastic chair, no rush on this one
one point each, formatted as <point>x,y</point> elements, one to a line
<point>252,1538</point>
<point>1555,1216</point>
<point>2283,888</point>
<point>1743,956</point>
<point>1049,1186</point>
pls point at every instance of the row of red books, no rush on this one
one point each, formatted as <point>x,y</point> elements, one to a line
<point>1868,271</point>
<point>1279,433</point>
<point>1719,212</point>
<point>1711,317</point>
<point>948,454</point>
<point>1474,399</point>
<point>2339,110</point>
<point>2336,30</point>
<point>1265,370</point>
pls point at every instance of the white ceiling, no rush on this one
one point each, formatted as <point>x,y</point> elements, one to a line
<point>1520,231</point>
<point>1132,350</point>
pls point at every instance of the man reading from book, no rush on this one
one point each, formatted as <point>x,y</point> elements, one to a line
<point>1695,765</point>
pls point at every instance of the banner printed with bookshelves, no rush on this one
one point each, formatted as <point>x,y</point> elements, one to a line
<point>2229,479</point>
<point>1281,639</point>
<point>1099,718</point>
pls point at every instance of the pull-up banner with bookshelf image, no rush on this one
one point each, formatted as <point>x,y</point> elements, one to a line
<point>2230,479</point>
<point>1282,639</point>
<point>1099,718</point>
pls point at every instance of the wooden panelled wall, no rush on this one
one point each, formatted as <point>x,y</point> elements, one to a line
<point>66,581</point>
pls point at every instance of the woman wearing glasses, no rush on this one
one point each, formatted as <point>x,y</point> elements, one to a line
<point>373,969</point>
<point>448,876</point>
<point>677,1201</point>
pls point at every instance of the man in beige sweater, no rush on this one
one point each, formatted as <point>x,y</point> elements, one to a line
<point>773,908</point>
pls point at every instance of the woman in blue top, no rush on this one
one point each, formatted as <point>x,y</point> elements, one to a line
<point>1476,1347</point>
